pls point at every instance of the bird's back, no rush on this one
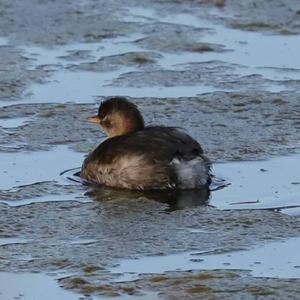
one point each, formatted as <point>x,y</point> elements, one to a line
<point>153,158</point>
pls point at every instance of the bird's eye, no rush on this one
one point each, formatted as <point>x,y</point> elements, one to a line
<point>106,123</point>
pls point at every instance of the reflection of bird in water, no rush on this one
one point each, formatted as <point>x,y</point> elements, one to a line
<point>143,158</point>
<point>175,200</point>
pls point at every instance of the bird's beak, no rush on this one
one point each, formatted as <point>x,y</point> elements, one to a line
<point>94,119</point>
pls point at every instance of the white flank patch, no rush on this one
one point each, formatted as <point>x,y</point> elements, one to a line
<point>192,173</point>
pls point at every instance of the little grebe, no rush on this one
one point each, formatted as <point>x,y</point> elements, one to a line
<point>143,158</point>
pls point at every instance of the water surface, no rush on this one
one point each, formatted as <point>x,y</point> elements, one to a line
<point>229,75</point>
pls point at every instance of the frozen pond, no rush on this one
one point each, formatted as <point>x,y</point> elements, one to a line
<point>228,73</point>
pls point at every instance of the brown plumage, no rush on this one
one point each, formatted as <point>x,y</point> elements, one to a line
<point>144,158</point>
